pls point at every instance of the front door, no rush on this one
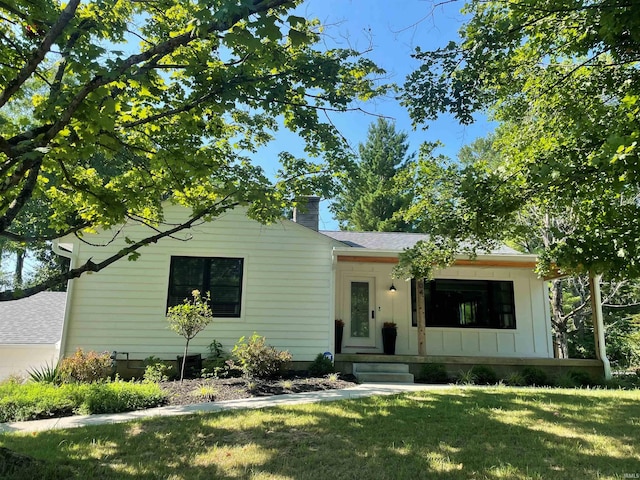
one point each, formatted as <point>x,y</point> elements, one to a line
<point>360,306</point>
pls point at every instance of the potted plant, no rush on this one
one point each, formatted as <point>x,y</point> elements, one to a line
<point>339,329</point>
<point>389,334</point>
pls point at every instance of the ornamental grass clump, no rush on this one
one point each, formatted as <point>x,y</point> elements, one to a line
<point>189,318</point>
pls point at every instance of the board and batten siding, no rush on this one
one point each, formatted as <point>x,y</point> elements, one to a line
<point>531,338</point>
<point>286,292</point>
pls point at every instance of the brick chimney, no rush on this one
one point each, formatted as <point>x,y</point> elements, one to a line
<point>309,214</point>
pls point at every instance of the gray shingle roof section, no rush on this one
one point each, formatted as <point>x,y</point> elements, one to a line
<point>393,241</point>
<point>33,320</point>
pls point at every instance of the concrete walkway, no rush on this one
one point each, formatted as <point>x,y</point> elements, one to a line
<point>363,390</point>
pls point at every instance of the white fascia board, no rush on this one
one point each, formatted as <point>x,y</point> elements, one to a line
<point>367,252</point>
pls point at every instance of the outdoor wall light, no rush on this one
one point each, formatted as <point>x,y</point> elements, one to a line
<point>392,288</point>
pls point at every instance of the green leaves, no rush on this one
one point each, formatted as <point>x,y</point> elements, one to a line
<point>562,79</point>
<point>142,101</point>
<point>189,318</point>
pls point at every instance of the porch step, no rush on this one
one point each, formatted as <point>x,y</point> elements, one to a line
<point>382,373</point>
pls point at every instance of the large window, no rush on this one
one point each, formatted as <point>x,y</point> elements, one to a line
<point>467,304</point>
<point>220,276</point>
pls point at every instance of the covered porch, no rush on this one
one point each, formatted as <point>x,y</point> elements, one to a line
<point>517,334</point>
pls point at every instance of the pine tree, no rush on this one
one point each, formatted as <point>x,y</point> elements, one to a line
<point>371,195</point>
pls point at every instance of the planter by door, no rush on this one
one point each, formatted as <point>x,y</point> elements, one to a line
<point>389,335</point>
<point>339,332</point>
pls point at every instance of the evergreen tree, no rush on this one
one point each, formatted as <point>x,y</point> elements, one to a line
<point>371,195</point>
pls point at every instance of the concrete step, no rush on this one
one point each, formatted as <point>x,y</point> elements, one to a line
<point>382,373</point>
<point>381,367</point>
<point>383,377</point>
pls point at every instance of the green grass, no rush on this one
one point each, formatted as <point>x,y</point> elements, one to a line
<point>44,400</point>
<point>462,433</point>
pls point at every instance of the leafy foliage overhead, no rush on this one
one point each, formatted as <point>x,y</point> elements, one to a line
<point>562,78</point>
<point>108,107</point>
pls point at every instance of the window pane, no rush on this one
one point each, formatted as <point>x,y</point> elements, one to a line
<point>186,275</point>
<point>468,303</point>
<point>226,271</point>
<point>225,284</point>
<point>222,277</point>
<point>360,309</point>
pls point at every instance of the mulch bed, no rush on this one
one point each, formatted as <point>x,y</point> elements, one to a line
<point>200,390</point>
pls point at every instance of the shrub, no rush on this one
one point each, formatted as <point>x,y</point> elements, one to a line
<point>85,367</point>
<point>466,378</point>
<point>119,396</point>
<point>515,379</point>
<point>321,366</point>
<point>259,360</point>
<point>534,376</point>
<point>484,375</point>
<point>624,381</point>
<point>433,373</point>
<point>576,378</point>
<point>48,373</point>
<point>156,370</point>
<point>218,363</point>
<point>31,401</point>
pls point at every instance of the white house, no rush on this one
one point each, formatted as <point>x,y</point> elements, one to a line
<point>30,332</point>
<point>289,282</point>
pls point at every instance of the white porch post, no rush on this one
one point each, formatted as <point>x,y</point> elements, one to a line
<point>598,323</point>
<point>420,317</point>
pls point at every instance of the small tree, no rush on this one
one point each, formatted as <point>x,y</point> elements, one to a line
<point>190,318</point>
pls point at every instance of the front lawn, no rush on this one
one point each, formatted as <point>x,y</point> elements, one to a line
<point>462,433</point>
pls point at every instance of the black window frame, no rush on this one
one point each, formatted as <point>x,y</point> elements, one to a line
<point>203,283</point>
<point>498,310</point>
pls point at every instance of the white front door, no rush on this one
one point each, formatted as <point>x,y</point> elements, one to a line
<point>361,313</point>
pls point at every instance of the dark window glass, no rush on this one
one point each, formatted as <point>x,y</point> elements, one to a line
<point>467,304</point>
<point>220,276</point>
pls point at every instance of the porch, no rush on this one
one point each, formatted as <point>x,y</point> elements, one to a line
<point>503,366</point>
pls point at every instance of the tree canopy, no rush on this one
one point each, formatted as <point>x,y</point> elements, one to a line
<point>562,78</point>
<point>109,108</point>
<point>371,197</point>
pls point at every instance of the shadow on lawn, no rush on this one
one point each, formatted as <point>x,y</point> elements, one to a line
<point>453,434</point>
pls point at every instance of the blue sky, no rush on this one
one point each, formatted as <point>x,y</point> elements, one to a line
<point>394,28</point>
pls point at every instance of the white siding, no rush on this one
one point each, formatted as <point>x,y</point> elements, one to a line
<point>19,359</point>
<point>287,287</point>
<point>531,338</point>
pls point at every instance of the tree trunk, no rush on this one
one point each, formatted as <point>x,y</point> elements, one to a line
<point>557,313</point>
<point>17,275</point>
<point>420,316</point>
<point>184,360</point>
<point>561,340</point>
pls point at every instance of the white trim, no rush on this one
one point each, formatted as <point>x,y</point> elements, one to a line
<point>72,255</point>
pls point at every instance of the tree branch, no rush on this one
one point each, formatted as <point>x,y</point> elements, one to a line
<point>157,51</point>
<point>16,205</point>
<point>39,54</point>
<point>90,266</point>
<point>14,237</point>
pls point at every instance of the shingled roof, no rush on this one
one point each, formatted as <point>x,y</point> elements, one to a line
<point>391,241</point>
<point>33,320</point>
